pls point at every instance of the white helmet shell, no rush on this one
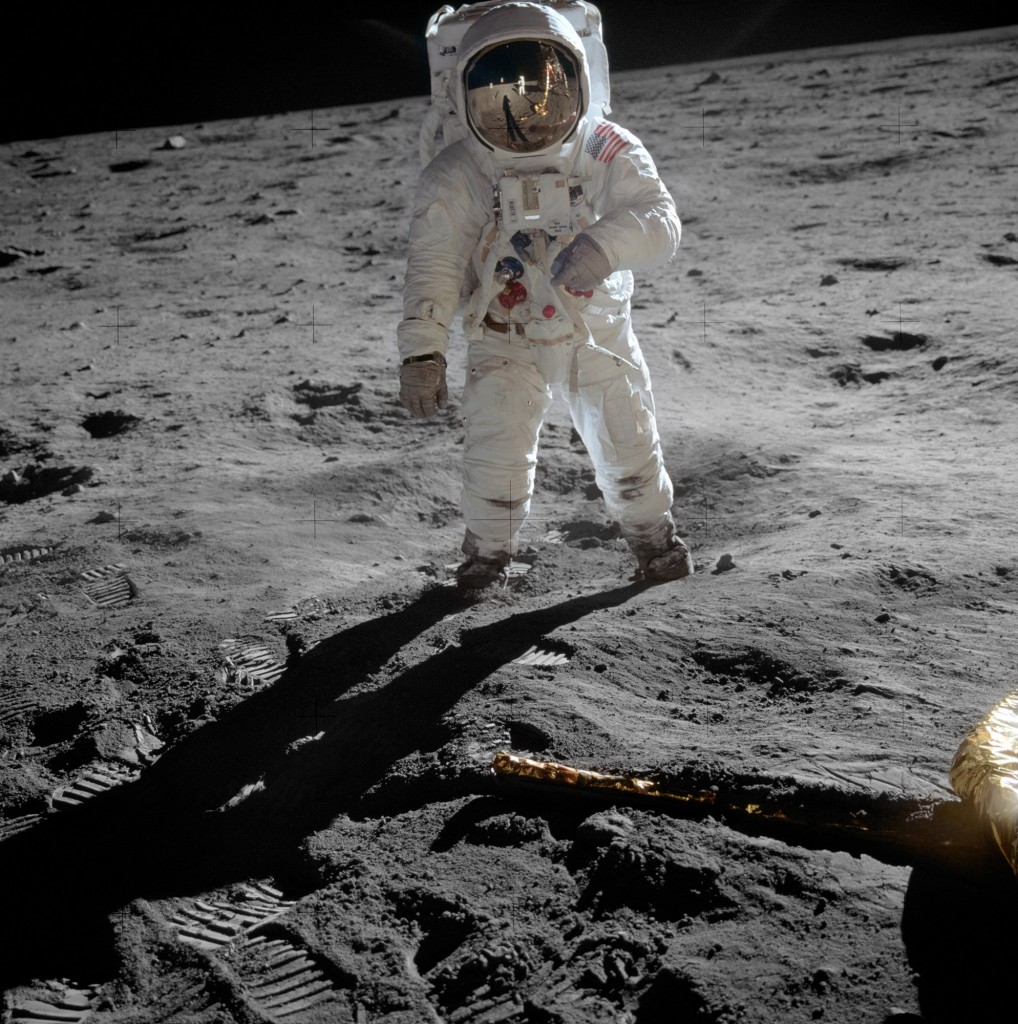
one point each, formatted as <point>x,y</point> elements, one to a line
<point>523,82</point>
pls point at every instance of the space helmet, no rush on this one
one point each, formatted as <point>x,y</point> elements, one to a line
<point>524,80</point>
<point>523,95</point>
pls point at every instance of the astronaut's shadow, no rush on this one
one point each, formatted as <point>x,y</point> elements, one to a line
<point>180,831</point>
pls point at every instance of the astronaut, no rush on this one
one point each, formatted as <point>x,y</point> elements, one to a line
<point>530,225</point>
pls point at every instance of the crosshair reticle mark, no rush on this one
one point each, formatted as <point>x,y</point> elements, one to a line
<point>523,521</point>
<point>907,756</point>
<point>707,516</point>
<point>312,129</point>
<point>317,715</point>
<point>117,324</point>
<point>120,521</point>
<point>315,520</point>
<point>313,325</point>
<point>703,321</point>
<point>117,132</point>
<point>901,320</point>
<point>898,125</point>
<point>703,127</point>
<point>106,517</point>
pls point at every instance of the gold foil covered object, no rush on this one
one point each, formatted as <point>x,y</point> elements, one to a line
<point>985,771</point>
<point>904,827</point>
<point>583,778</point>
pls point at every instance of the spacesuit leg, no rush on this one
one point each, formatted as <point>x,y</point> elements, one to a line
<point>613,410</point>
<point>505,400</point>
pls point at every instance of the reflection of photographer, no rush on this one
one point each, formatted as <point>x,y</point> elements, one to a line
<point>513,133</point>
<point>544,262</point>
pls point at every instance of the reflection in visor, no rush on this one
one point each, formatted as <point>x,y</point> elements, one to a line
<point>523,96</point>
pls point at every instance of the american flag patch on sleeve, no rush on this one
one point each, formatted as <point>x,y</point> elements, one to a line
<point>605,143</point>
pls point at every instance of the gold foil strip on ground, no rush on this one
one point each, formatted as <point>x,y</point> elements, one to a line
<point>985,772</point>
<point>582,778</point>
<point>907,830</point>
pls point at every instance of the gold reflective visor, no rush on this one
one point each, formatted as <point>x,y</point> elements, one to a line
<point>523,96</point>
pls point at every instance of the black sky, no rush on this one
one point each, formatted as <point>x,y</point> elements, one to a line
<point>91,69</point>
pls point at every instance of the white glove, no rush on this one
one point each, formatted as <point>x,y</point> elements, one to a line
<point>581,265</point>
<point>422,386</point>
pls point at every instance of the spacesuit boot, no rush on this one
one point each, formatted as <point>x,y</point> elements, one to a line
<point>660,553</point>
<point>481,571</point>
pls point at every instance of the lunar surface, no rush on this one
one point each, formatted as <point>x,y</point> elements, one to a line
<point>247,726</point>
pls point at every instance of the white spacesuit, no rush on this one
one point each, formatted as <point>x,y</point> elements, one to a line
<point>530,225</point>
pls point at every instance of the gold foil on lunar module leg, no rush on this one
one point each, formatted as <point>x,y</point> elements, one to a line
<point>985,771</point>
<point>584,780</point>
<point>581,778</point>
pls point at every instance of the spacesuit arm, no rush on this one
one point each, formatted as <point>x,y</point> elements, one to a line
<point>444,228</point>
<point>639,227</point>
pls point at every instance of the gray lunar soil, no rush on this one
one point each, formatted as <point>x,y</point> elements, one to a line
<point>247,728</point>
